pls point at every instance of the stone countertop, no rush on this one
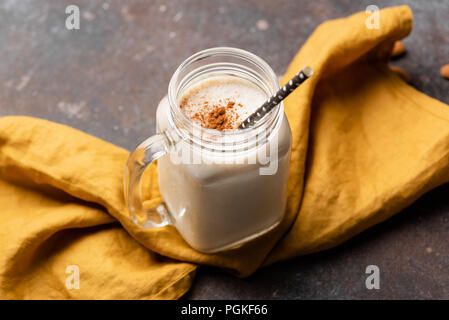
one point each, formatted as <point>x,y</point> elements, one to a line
<point>107,77</point>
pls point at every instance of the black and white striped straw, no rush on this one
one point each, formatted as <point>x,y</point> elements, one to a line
<point>274,100</point>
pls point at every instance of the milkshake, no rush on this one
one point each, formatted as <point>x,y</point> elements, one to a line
<point>219,203</point>
<point>221,186</point>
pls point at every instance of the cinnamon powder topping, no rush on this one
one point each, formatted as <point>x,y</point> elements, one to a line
<point>220,102</point>
<point>220,117</point>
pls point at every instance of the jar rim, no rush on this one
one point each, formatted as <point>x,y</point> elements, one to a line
<point>272,120</point>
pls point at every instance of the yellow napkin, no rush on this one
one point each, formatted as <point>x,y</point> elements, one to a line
<point>365,145</point>
<point>57,186</point>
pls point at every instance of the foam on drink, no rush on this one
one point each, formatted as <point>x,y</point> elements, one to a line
<point>221,103</point>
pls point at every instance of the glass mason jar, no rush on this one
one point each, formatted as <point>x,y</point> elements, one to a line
<point>220,188</point>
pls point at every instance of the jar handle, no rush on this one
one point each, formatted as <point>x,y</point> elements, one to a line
<point>143,155</point>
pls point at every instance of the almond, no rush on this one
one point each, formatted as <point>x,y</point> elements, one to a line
<point>445,71</point>
<point>398,49</point>
<point>401,72</point>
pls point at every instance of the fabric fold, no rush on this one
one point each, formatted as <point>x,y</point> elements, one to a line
<point>59,191</point>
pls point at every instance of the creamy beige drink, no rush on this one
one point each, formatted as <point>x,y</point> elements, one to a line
<point>219,203</point>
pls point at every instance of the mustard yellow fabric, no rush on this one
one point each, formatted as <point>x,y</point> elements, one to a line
<point>57,186</point>
<point>365,145</point>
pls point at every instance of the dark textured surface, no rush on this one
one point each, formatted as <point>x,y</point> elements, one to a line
<point>107,78</point>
